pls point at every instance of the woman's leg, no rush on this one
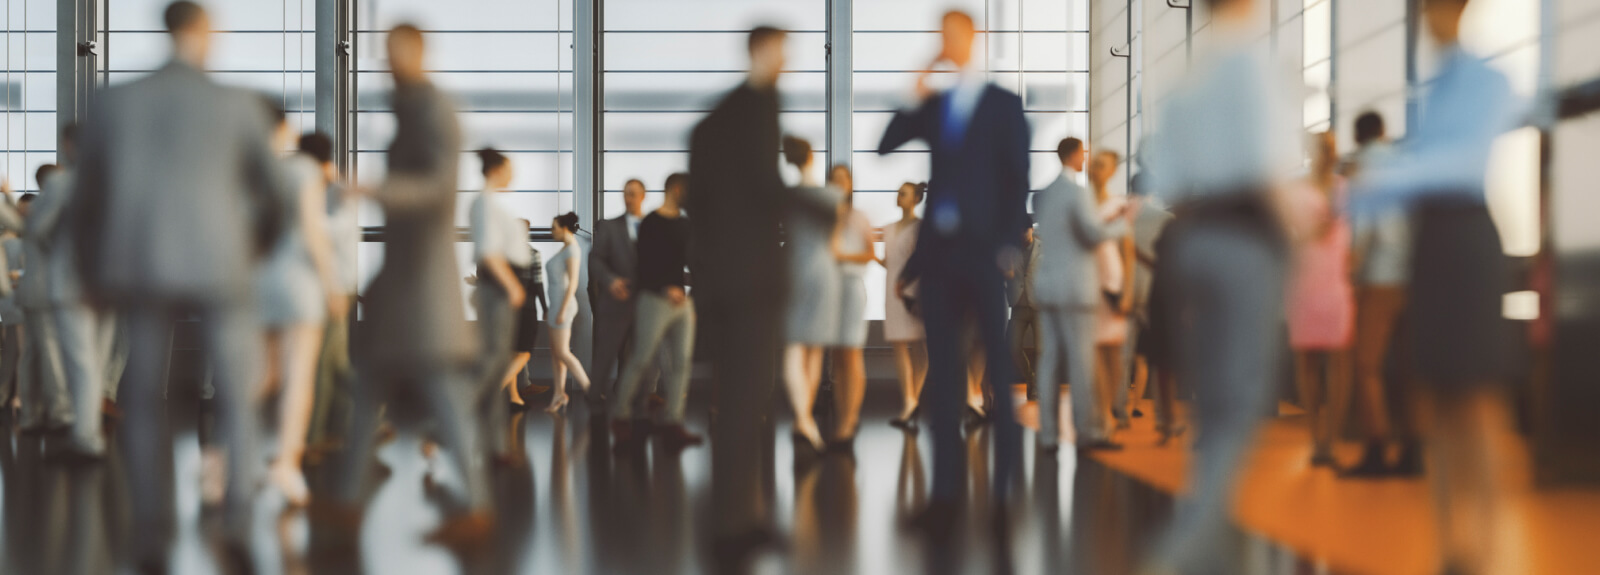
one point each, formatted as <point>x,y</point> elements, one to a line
<point>798,370</point>
<point>563,343</point>
<point>977,362</point>
<point>849,391</point>
<point>1107,376</point>
<point>558,388</point>
<point>919,369</point>
<point>907,375</point>
<point>298,347</point>
<point>518,363</point>
<point>272,369</point>
<point>1311,371</point>
<point>1052,342</point>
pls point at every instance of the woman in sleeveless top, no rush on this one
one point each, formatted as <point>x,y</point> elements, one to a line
<point>564,284</point>
<point>812,322</point>
<point>901,327</point>
<point>853,249</point>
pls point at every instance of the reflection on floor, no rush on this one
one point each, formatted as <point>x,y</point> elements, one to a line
<point>579,508</point>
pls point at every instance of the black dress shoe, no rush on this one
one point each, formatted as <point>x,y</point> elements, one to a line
<point>1048,448</point>
<point>909,422</point>
<point>1410,463</point>
<point>1100,445</point>
<point>1371,466</point>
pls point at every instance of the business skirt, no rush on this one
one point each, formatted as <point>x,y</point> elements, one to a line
<point>1459,277</point>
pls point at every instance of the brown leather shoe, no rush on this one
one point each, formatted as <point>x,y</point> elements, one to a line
<point>462,533</point>
<point>675,437</point>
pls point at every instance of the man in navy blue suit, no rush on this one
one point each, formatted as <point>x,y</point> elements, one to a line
<point>972,232</point>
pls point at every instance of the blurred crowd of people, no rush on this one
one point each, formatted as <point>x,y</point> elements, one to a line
<point>1230,247</point>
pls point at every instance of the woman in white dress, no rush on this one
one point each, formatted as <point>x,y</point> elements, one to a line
<point>901,327</point>
<point>563,282</point>
<point>852,247</point>
<point>297,289</point>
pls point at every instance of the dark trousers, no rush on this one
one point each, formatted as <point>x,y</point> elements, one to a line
<point>1024,333</point>
<point>950,296</point>
<point>743,341</point>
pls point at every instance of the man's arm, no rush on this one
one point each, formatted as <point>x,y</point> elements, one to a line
<point>600,265</point>
<point>1014,160</point>
<point>908,125</point>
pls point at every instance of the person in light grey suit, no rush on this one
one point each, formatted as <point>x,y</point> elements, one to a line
<point>177,228</point>
<point>1066,289</point>
<point>612,262</point>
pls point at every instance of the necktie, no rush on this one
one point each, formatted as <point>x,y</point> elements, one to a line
<point>954,126</point>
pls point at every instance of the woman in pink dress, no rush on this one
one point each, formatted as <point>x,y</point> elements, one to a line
<point>1321,301</point>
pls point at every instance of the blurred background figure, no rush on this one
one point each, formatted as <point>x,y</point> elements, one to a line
<point>10,318</point>
<point>1321,307</point>
<point>335,372</point>
<point>1463,346</point>
<point>1225,267</point>
<point>612,264</point>
<point>665,321</point>
<point>499,245</point>
<point>902,325</point>
<point>177,228</point>
<point>1112,259</point>
<point>1023,329</point>
<point>415,346</point>
<point>1149,220</point>
<point>1381,265</point>
<point>297,290</point>
<point>814,315</point>
<point>976,212</point>
<point>737,200</point>
<point>852,248</point>
<point>529,322</point>
<point>565,283</point>
<point>1068,291</point>
<point>43,393</point>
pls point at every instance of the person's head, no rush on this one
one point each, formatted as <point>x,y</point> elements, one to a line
<point>1444,19</point>
<point>767,57</point>
<point>564,226</point>
<point>677,188</point>
<point>496,169</point>
<point>1324,155</point>
<point>839,176</point>
<point>909,196</point>
<point>278,120</point>
<point>1231,10</point>
<point>797,152</point>
<point>44,173</point>
<point>190,28</point>
<point>1027,234</point>
<point>1369,128</point>
<point>405,47</point>
<point>317,146</point>
<point>68,143</point>
<point>1102,169</point>
<point>633,197</point>
<point>1072,154</point>
<point>958,32</point>
<point>25,204</point>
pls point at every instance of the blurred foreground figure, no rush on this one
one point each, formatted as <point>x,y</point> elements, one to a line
<point>415,349</point>
<point>1222,268</point>
<point>736,198</point>
<point>1461,341</point>
<point>173,229</point>
<point>976,215</point>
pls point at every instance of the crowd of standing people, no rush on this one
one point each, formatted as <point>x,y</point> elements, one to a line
<point>1184,287</point>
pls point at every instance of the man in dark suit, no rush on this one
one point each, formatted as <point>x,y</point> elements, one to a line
<point>975,216</point>
<point>736,201</point>
<point>611,263</point>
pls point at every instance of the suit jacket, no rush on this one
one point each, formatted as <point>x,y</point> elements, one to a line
<point>1019,289</point>
<point>44,284</point>
<point>1147,227</point>
<point>178,191</point>
<point>977,195</point>
<point>736,202</point>
<point>1069,223</point>
<point>614,256</point>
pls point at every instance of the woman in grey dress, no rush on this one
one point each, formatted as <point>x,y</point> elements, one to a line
<point>295,288</point>
<point>565,281</point>
<point>813,312</point>
<point>852,249</point>
<point>901,327</point>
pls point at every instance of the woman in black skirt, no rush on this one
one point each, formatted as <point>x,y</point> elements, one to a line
<point>528,324</point>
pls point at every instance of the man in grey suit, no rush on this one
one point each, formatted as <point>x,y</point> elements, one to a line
<point>178,228</point>
<point>612,263</point>
<point>1066,289</point>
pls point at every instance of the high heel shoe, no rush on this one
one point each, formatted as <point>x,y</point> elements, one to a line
<point>810,436</point>
<point>909,422</point>
<point>557,404</point>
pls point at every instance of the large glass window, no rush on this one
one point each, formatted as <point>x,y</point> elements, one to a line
<point>30,98</point>
<point>668,63</point>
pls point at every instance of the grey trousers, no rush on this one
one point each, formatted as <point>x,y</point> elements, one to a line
<point>666,331</point>
<point>1068,333</point>
<point>45,399</point>
<point>497,328</point>
<point>85,338</point>
<point>10,358</point>
<point>231,338</point>
<point>1023,331</point>
<point>1121,403</point>
<point>438,397</point>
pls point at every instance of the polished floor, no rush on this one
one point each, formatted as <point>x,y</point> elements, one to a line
<point>577,507</point>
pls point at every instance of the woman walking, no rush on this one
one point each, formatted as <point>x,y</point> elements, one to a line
<point>564,284</point>
<point>901,326</point>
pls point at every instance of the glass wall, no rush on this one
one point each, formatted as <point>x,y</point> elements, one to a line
<point>668,63</point>
<point>30,90</point>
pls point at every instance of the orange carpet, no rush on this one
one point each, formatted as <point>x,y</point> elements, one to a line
<point>1372,527</point>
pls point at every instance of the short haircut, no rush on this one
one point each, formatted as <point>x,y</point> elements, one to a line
<point>43,172</point>
<point>919,191</point>
<point>1116,157</point>
<point>960,15</point>
<point>633,181</point>
<point>568,221</point>
<point>796,151</point>
<point>760,35</point>
<point>181,15</point>
<point>69,134</point>
<point>275,112</point>
<point>1369,127</point>
<point>1068,147</point>
<point>676,181</point>
<point>492,160</point>
<point>27,198</point>
<point>317,145</point>
<point>406,31</point>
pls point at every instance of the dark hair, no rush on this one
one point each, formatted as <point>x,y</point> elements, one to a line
<point>796,151</point>
<point>69,134</point>
<point>1068,147</point>
<point>317,145</point>
<point>27,198</point>
<point>921,190</point>
<point>675,181</point>
<point>568,221</point>
<point>275,111</point>
<point>181,14</point>
<point>492,160</point>
<point>760,35</point>
<point>1369,127</point>
<point>634,181</point>
<point>44,172</point>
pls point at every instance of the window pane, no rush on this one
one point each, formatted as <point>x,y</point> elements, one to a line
<point>711,51</point>
<point>714,14</point>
